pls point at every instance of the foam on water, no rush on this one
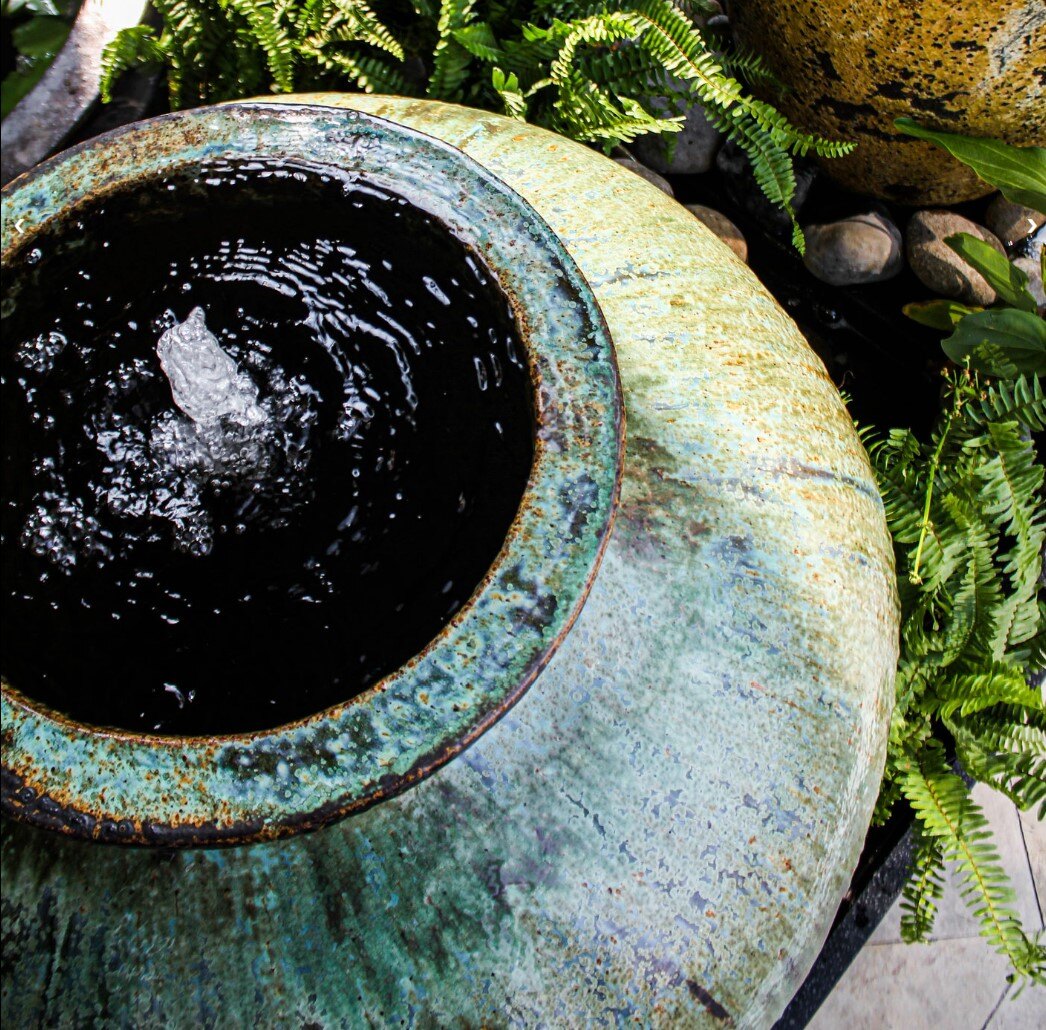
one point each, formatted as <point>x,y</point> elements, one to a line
<point>205,382</point>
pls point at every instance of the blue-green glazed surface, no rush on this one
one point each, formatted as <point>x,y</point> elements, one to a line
<point>130,788</point>
<point>660,831</point>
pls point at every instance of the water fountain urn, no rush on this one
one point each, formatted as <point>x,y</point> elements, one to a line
<point>629,777</point>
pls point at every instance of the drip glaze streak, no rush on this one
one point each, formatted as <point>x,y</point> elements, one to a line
<point>165,576</point>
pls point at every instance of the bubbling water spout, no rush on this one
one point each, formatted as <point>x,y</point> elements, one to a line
<point>205,382</point>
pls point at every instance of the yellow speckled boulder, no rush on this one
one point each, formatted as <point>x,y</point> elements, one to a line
<point>853,66</point>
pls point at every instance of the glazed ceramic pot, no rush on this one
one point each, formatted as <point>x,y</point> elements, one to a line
<point>853,66</point>
<point>644,805</point>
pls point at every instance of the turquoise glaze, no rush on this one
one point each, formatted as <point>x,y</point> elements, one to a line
<point>119,786</point>
<point>660,831</point>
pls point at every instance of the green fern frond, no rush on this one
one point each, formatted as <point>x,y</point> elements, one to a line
<point>771,164</point>
<point>1012,483</point>
<point>450,60</point>
<point>740,62</point>
<point>363,25</point>
<point>1020,400</point>
<point>971,609</point>
<point>584,68</point>
<point>786,136</point>
<point>965,508</point>
<point>954,821</point>
<point>1017,729</point>
<point>479,40</point>
<point>966,693</point>
<point>131,48</point>
<point>369,73</point>
<point>1016,769</point>
<point>507,87</point>
<point>269,27</point>
<point>923,889</point>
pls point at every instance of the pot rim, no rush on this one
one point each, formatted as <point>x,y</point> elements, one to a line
<point>121,786</point>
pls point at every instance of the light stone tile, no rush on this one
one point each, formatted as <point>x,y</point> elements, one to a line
<point>953,917</point>
<point>952,984</point>
<point>1025,1012</point>
<point>889,929</point>
<point>1035,842</point>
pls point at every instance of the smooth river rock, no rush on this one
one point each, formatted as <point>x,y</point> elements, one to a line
<point>646,173</point>
<point>1012,222</point>
<point>695,146</point>
<point>722,227</point>
<point>850,67</point>
<point>863,248</point>
<point>937,266</point>
<point>1032,268</point>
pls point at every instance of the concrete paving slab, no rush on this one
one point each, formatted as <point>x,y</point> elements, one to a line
<point>1034,830</point>
<point>953,984</point>
<point>1025,1012</point>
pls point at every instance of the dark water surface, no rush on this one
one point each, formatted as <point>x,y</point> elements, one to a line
<point>163,576</point>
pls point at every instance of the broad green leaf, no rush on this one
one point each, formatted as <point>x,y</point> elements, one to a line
<point>938,314</point>
<point>32,7</point>
<point>1005,278</point>
<point>40,38</point>
<point>18,84</point>
<point>1019,172</point>
<point>479,40</point>
<point>1019,336</point>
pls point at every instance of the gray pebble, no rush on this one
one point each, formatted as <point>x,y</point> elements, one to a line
<point>1032,268</point>
<point>646,173</point>
<point>694,147</point>
<point>1012,222</point>
<point>937,266</point>
<point>722,227</point>
<point>863,248</point>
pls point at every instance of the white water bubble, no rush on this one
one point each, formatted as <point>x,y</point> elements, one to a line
<point>40,353</point>
<point>205,382</point>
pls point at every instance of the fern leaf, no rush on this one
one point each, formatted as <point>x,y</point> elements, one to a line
<point>353,21</point>
<point>923,889</point>
<point>507,87</point>
<point>1019,400</point>
<point>1012,481</point>
<point>130,48</point>
<point>950,817</point>
<point>1019,773</point>
<point>479,40</point>
<point>450,60</point>
<point>967,693</point>
<point>971,610</point>
<point>266,20</point>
